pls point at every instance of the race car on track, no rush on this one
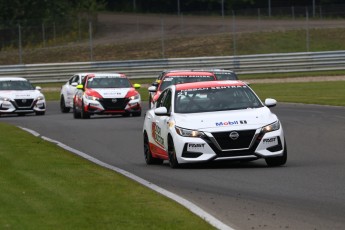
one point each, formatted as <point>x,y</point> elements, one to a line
<point>222,74</point>
<point>106,93</point>
<point>68,91</point>
<point>19,96</point>
<point>212,121</point>
<point>177,77</point>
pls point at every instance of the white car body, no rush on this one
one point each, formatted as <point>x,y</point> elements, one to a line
<point>68,90</point>
<point>238,134</point>
<point>18,96</point>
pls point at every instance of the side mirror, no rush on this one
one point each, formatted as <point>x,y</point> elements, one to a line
<point>136,86</point>
<point>74,84</point>
<point>80,87</point>
<point>152,89</point>
<point>269,102</point>
<point>156,83</point>
<point>161,111</point>
<point>38,88</point>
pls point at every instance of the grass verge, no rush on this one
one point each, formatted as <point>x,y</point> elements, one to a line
<point>323,93</point>
<point>45,187</point>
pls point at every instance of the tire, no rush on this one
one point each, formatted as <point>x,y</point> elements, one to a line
<point>63,107</point>
<point>172,153</point>
<point>136,114</point>
<point>76,114</point>
<point>84,114</point>
<point>149,159</point>
<point>277,161</point>
<point>126,114</point>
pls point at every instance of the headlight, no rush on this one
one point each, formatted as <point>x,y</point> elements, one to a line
<point>39,98</point>
<point>4,99</point>
<point>137,96</point>
<point>188,132</point>
<point>271,127</point>
<point>91,97</point>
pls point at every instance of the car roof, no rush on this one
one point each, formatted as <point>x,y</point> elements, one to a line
<point>189,73</point>
<point>102,75</point>
<point>12,79</point>
<point>208,84</point>
<point>217,70</point>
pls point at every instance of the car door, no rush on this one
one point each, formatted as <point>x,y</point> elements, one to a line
<point>71,89</point>
<point>161,123</point>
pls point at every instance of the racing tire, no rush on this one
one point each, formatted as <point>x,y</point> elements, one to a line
<point>63,107</point>
<point>76,114</point>
<point>84,114</point>
<point>149,159</point>
<point>40,113</point>
<point>136,114</point>
<point>277,161</point>
<point>172,153</point>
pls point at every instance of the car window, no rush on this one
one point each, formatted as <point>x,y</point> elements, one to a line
<point>226,76</point>
<point>160,99</point>
<point>168,81</point>
<point>167,101</point>
<point>108,82</point>
<point>215,99</point>
<point>76,78</point>
<point>15,85</point>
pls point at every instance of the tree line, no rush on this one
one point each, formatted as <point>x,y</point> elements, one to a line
<point>27,11</point>
<point>171,6</point>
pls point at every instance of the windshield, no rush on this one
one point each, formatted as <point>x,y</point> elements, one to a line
<point>15,85</point>
<point>168,81</point>
<point>225,76</point>
<point>108,82</point>
<point>215,99</point>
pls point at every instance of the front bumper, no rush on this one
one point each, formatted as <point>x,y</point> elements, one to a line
<point>210,148</point>
<point>22,106</point>
<point>112,106</point>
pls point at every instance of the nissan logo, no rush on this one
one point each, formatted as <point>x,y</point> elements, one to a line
<point>234,135</point>
<point>114,100</point>
<point>24,101</point>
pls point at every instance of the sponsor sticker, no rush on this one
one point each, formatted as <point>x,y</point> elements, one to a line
<point>270,141</point>
<point>195,147</point>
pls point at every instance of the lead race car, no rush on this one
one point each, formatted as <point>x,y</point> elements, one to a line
<point>18,96</point>
<point>211,121</point>
<point>106,93</point>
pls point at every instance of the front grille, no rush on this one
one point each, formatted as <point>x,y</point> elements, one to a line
<point>109,104</point>
<point>242,142</point>
<point>24,103</point>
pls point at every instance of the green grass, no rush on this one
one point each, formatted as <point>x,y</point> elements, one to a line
<point>322,93</point>
<point>46,187</point>
<point>192,46</point>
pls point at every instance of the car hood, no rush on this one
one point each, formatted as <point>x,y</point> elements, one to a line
<point>225,120</point>
<point>20,94</point>
<point>111,93</point>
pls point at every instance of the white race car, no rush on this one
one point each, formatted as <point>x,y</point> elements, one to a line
<point>68,91</point>
<point>18,96</point>
<point>211,121</point>
<point>106,93</point>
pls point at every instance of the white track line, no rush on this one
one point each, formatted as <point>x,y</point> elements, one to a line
<point>189,205</point>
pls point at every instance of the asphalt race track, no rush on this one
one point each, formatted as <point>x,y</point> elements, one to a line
<point>307,193</point>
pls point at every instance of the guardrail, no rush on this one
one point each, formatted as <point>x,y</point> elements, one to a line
<point>244,64</point>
